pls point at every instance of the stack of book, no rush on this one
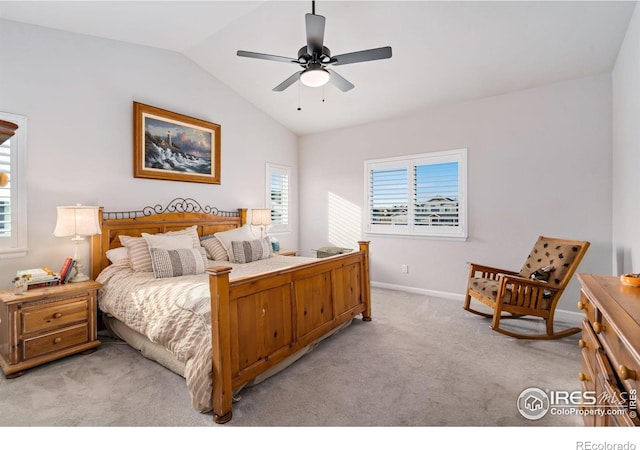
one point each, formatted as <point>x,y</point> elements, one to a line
<point>40,277</point>
<point>66,270</point>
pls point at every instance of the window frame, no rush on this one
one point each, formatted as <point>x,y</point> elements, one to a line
<point>15,246</point>
<point>271,169</point>
<point>409,229</point>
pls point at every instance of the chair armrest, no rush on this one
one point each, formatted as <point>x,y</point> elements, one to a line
<point>473,267</point>
<point>514,279</point>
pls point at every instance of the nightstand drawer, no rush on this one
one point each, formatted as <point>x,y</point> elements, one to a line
<point>52,315</point>
<point>55,341</point>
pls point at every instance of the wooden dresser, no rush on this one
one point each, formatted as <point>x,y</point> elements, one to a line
<point>45,324</point>
<point>610,346</point>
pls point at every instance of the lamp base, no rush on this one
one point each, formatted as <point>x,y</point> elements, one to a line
<point>78,277</point>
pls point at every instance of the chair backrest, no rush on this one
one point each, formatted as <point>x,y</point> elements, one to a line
<point>562,256</point>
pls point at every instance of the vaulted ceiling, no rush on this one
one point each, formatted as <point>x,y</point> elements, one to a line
<point>443,52</point>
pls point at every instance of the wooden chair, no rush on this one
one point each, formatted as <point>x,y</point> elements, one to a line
<point>517,294</point>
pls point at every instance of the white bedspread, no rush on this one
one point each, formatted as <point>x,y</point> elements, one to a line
<point>175,313</point>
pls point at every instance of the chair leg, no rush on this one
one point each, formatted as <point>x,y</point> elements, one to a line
<point>467,307</point>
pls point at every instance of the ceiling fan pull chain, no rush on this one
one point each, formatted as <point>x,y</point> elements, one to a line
<point>323,93</point>
<point>299,89</point>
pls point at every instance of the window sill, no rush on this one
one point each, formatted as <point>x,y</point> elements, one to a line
<point>13,253</point>
<point>438,237</point>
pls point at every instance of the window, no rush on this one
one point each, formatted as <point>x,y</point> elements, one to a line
<point>418,195</point>
<point>278,179</point>
<point>13,201</point>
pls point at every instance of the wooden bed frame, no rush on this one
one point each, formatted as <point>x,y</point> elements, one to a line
<point>258,321</point>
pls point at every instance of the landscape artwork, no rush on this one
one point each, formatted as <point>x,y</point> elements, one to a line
<point>176,147</point>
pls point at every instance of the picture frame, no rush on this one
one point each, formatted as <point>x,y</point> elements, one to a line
<point>172,146</point>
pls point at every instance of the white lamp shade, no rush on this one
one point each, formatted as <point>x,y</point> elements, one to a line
<point>260,217</point>
<point>77,221</point>
<point>314,77</point>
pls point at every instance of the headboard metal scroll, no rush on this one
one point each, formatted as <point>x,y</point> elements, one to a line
<point>178,214</point>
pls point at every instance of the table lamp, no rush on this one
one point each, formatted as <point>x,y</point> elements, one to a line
<point>261,218</point>
<point>77,221</point>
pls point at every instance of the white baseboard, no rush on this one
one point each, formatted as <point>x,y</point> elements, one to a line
<point>572,318</point>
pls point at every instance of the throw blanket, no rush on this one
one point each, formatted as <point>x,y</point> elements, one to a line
<point>175,313</point>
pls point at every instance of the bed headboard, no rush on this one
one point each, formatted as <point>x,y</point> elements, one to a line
<point>178,214</point>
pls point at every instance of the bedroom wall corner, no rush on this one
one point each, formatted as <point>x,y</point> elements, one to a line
<point>626,141</point>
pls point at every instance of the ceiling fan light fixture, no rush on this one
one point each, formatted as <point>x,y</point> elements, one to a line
<point>315,77</point>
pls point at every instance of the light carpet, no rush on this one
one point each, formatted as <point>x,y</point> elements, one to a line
<point>421,362</point>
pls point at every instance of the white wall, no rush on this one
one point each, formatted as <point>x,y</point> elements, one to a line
<point>626,157</point>
<point>77,93</point>
<point>539,162</point>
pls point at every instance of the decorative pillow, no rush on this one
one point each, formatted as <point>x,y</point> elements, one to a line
<point>244,233</point>
<point>116,254</point>
<point>247,251</point>
<point>542,274</point>
<point>168,242</point>
<point>138,248</point>
<point>138,253</point>
<point>214,248</point>
<point>178,262</point>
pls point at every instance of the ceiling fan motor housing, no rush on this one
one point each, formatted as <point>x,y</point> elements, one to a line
<point>305,58</point>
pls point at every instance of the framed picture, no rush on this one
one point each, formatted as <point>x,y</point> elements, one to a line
<point>170,146</point>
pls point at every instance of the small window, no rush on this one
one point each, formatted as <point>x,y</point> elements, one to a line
<point>13,201</point>
<point>419,195</point>
<point>278,195</point>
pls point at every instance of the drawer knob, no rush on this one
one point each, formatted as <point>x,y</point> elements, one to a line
<point>57,340</point>
<point>582,344</point>
<point>583,377</point>
<point>57,315</point>
<point>598,327</point>
<point>626,373</point>
<point>581,305</point>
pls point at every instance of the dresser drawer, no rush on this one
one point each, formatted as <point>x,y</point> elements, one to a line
<point>589,343</point>
<point>587,307</point>
<point>623,361</point>
<point>55,341</point>
<point>619,415</point>
<point>52,315</point>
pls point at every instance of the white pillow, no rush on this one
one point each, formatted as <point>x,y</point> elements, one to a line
<point>116,254</point>
<point>244,233</point>
<point>168,242</point>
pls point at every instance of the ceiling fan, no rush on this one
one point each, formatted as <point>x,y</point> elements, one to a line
<point>315,57</point>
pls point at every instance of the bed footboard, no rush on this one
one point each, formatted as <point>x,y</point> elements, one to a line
<point>259,321</point>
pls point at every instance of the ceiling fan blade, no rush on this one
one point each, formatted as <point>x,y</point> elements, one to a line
<point>265,56</point>
<point>339,81</point>
<point>315,33</point>
<point>288,82</point>
<point>362,56</point>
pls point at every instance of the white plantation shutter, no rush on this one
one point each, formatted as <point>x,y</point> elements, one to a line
<point>278,197</point>
<point>436,195</point>
<point>13,201</point>
<point>422,195</point>
<point>388,196</point>
<point>5,192</point>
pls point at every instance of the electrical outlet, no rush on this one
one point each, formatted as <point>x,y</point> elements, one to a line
<point>404,268</point>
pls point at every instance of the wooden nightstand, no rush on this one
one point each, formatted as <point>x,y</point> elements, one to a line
<point>45,324</point>
<point>285,252</point>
